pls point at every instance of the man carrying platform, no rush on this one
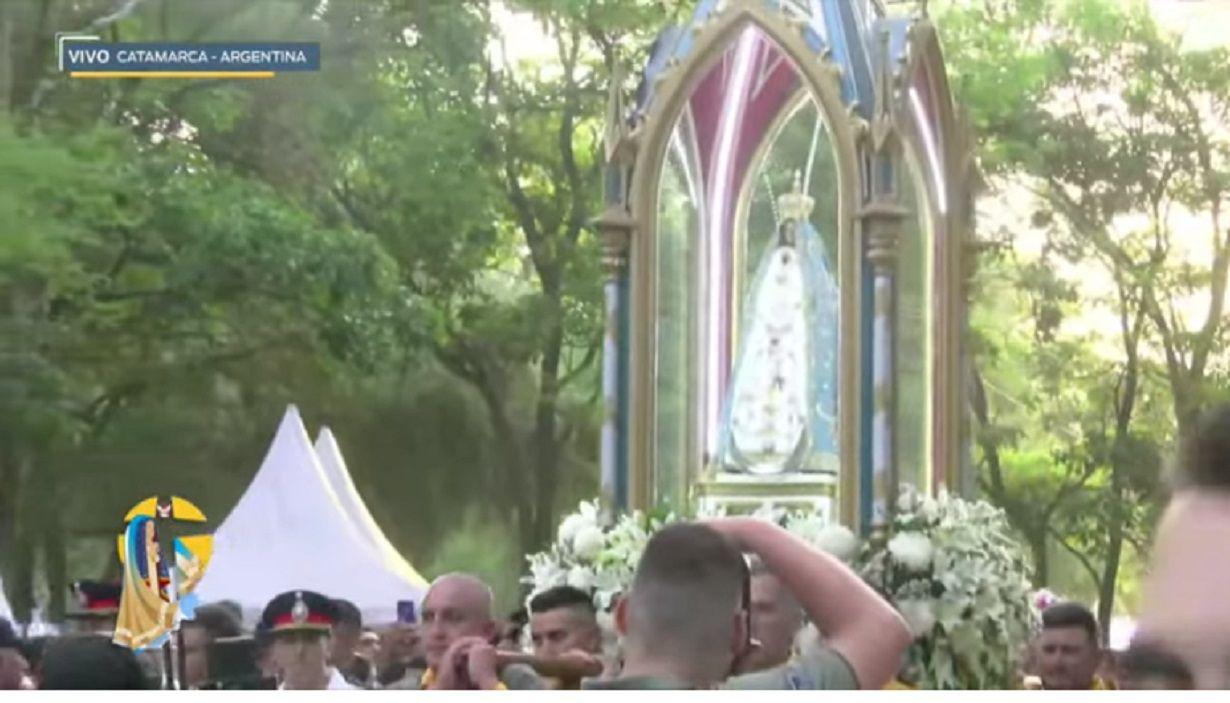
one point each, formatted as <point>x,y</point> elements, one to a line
<point>686,620</point>
<point>459,632</point>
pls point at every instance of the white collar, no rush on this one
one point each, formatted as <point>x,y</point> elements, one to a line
<point>337,682</point>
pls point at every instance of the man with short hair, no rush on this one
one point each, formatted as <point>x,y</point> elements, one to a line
<point>686,620</point>
<point>347,628</point>
<point>563,619</point>
<point>459,634</point>
<point>14,669</point>
<point>1068,653</point>
<point>1147,668</point>
<point>209,623</point>
<point>777,620</point>
<point>400,661</point>
<point>1184,624</point>
<point>369,646</point>
<point>91,663</point>
<point>300,623</point>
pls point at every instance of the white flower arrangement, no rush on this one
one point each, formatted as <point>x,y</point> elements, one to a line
<point>958,578</point>
<point>593,558</point>
<point>950,566</point>
<point>602,560</point>
<point>810,526</point>
<point>588,556</point>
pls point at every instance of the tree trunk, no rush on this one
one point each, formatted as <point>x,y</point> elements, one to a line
<point>1025,522</point>
<point>55,555</point>
<point>10,489</point>
<point>546,440</point>
<point>1114,550</point>
<point>514,470</point>
<point>1121,451</point>
<point>1186,411</point>
<point>1038,551</point>
<point>20,587</point>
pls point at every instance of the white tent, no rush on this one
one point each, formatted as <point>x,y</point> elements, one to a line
<point>340,481</point>
<point>289,532</point>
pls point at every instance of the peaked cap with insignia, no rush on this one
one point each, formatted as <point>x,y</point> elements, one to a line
<point>298,610</point>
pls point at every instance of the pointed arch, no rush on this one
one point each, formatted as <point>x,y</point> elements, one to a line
<point>934,135</point>
<point>711,37</point>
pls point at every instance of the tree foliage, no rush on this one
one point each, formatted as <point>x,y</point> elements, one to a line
<point>1109,347</point>
<point>400,244</point>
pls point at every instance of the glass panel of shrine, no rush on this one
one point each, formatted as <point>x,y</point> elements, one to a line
<point>746,282</point>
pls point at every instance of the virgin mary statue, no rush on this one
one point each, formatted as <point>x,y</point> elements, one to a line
<point>780,414</point>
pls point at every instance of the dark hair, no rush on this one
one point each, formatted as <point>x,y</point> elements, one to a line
<point>217,620</point>
<point>690,554</point>
<point>346,613</point>
<point>1204,456</point>
<point>32,649</point>
<point>90,663</point>
<point>687,587</point>
<point>520,616</point>
<point>232,607</point>
<point>1069,614</point>
<point>1145,663</point>
<point>8,638</point>
<point>561,597</point>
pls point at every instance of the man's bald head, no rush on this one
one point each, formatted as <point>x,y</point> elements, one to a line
<point>463,588</point>
<point>456,606</point>
<point>684,600</point>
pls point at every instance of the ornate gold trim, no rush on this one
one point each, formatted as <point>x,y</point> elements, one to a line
<point>950,232</point>
<point>615,226</point>
<point>674,88</point>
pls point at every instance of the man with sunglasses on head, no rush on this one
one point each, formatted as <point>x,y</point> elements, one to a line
<point>686,621</point>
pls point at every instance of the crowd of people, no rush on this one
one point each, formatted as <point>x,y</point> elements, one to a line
<point>735,603</point>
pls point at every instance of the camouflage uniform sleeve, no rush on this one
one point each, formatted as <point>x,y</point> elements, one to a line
<point>519,677</point>
<point>820,668</point>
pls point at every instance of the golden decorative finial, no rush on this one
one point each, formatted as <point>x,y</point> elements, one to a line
<point>796,205</point>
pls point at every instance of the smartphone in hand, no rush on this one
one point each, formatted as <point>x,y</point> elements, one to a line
<point>406,613</point>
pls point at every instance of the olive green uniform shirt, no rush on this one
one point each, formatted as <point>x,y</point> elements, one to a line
<point>818,669</point>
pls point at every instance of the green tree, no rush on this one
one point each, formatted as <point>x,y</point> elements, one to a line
<point>1118,135</point>
<point>129,270</point>
<point>480,176</point>
<point>334,239</point>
